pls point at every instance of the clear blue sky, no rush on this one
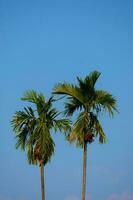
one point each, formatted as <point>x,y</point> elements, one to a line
<point>46,42</point>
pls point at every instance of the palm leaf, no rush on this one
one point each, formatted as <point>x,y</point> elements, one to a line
<point>72,105</point>
<point>68,89</point>
<point>105,101</point>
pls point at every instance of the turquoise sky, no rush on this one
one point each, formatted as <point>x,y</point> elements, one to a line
<point>46,42</point>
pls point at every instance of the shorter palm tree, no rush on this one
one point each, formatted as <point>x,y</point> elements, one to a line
<point>33,126</point>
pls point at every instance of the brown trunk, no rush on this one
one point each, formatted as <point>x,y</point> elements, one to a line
<point>42,180</point>
<point>84,170</point>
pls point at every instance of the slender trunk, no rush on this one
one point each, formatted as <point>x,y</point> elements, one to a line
<point>84,170</point>
<point>42,180</point>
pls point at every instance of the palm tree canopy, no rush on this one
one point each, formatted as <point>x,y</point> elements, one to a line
<point>33,126</point>
<point>85,97</point>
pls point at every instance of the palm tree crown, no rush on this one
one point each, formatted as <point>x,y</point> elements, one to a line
<point>90,101</point>
<point>32,127</point>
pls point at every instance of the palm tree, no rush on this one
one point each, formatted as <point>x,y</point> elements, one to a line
<point>90,102</point>
<point>32,127</point>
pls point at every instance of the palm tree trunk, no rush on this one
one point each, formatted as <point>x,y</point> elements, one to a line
<point>42,180</point>
<point>84,170</point>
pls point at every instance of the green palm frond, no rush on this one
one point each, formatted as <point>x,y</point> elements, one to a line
<point>31,154</point>
<point>87,86</point>
<point>105,101</point>
<point>23,123</point>
<point>72,105</point>
<point>80,127</point>
<point>100,132</point>
<point>43,147</point>
<point>97,129</point>
<point>92,78</point>
<point>36,98</point>
<point>32,96</point>
<point>70,90</point>
<point>82,122</point>
<point>86,124</point>
<point>62,125</point>
<point>22,117</point>
<point>52,114</point>
<point>44,107</point>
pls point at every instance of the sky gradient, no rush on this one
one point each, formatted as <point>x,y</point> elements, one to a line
<point>46,42</point>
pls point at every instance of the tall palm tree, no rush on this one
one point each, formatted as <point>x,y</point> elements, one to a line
<point>32,127</point>
<point>90,102</point>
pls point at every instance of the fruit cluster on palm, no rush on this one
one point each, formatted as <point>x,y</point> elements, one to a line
<point>33,125</point>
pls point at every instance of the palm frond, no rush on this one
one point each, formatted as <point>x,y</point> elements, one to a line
<point>72,105</point>
<point>96,127</point>
<point>91,79</point>
<point>80,127</point>
<point>62,125</point>
<point>22,118</point>
<point>36,98</point>
<point>30,96</point>
<point>105,101</point>
<point>23,122</point>
<point>68,89</point>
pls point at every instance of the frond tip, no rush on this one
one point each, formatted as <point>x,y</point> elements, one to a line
<point>32,96</point>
